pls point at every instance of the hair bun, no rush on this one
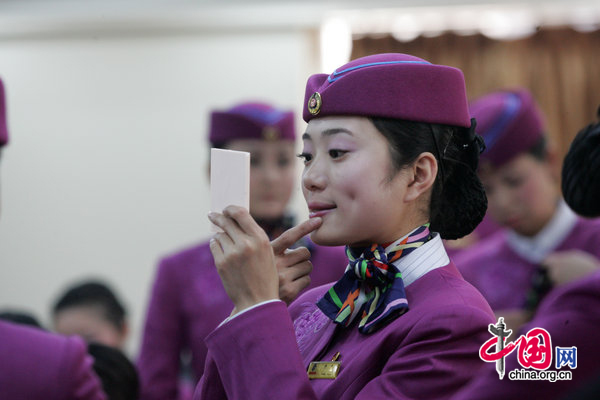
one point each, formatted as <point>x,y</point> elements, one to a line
<point>463,204</point>
<point>581,172</point>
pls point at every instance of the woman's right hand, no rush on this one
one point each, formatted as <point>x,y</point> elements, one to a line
<point>249,265</point>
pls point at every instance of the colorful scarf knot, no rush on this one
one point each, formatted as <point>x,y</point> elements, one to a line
<point>372,285</point>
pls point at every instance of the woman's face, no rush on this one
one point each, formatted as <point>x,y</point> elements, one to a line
<point>89,323</point>
<point>522,194</point>
<point>272,175</point>
<point>348,180</point>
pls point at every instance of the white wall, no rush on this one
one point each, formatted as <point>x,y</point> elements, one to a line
<point>106,169</point>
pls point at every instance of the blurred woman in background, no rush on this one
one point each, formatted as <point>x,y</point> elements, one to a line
<point>188,300</point>
<point>542,241</point>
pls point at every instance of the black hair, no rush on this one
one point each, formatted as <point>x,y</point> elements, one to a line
<point>93,293</point>
<point>458,202</point>
<point>581,172</point>
<point>20,317</point>
<point>117,373</point>
<point>539,150</point>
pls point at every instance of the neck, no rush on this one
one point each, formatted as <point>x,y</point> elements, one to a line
<point>386,240</point>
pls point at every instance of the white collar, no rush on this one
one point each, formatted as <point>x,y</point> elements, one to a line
<point>420,261</point>
<point>536,249</point>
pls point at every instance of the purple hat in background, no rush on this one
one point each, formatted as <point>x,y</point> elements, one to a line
<point>252,121</point>
<point>390,85</point>
<point>3,124</point>
<point>510,122</point>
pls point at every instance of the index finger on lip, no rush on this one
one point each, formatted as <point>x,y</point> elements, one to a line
<point>294,234</point>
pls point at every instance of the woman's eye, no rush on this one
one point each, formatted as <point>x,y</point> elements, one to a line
<point>335,153</point>
<point>255,160</point>
<point>514,182</point>
<point>306,157</point>
<point>284,162</point>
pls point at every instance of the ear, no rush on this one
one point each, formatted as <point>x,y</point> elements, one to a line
<point>124,333</point>
<point>424,171</point>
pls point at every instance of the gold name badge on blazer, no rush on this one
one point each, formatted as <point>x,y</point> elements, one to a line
<point>325,369</point>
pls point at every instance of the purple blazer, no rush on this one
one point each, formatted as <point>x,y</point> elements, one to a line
<point>571,315</point>
<point>35,365</point>
<point>503,277</point>
<point>187,303</point>
<point>428,353</point>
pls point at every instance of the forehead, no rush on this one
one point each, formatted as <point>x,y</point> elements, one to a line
<point>80,314</point>
<point>357,127</point>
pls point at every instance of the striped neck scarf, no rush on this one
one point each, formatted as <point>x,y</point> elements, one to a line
<point>372,285</point>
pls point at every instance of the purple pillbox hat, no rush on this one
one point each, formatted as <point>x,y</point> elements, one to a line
<point>252,121</point>
<point>510,122</point>
<point>3,125</point>
<point>391,85</point>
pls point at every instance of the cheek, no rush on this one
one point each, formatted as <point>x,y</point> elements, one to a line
<point>255,178</point>
<point>531,193</point>
<point>288,177</point>
<point>492,207</point>
<point>497,206</point>
<point>111,336</point>
<point>255,189</point>
<point>304,191</point>
<point>352,182</point>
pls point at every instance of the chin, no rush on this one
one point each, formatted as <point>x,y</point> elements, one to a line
<point>323,239</point>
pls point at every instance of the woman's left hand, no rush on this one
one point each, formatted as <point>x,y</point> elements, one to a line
<point>294,266</point>
<point>569,265</point>
<point>246,259</point>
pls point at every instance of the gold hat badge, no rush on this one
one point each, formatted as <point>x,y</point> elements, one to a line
<point>270,133</point>
<point>314,103</point>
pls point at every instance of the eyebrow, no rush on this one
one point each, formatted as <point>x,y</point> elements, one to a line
<point>329,132</point>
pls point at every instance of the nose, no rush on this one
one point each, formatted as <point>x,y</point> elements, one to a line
<point>271,173</point>
<point>314,177</point>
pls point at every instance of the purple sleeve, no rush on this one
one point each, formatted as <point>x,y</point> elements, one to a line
<point>35,364</point>
<point>159,360</point>
<point>253,354</point>
<point>78,370</point>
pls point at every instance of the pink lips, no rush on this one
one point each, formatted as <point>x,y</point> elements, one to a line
<point>316,209</point>
<point>512,222</point>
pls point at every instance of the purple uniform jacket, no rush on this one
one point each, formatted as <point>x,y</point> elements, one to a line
<point>38,365</point>
<point>428,353</point>
<point>187,303</point>
<point>504,277</point>
<point>571,315</point>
